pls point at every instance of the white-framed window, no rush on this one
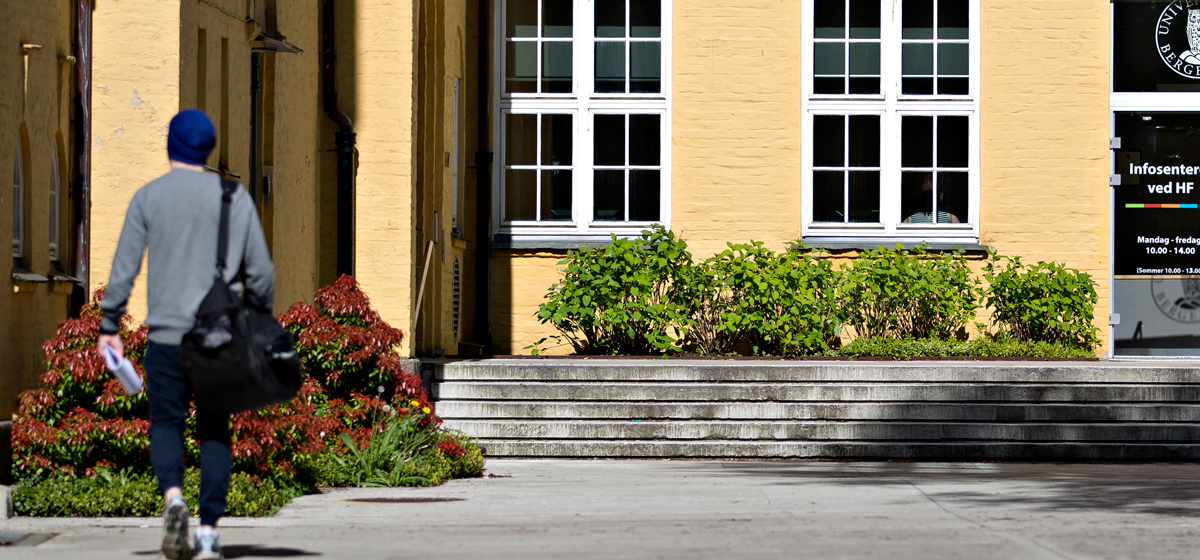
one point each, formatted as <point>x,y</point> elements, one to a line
<point>18,205</point>
<point>582,130</point>
<point>55,203</point>
<point>891,119</point>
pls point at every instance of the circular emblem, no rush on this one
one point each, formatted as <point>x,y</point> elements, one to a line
<point>1178,38</point>
<point>1177,298</point>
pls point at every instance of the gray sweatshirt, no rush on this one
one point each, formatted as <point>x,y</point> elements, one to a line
<point>176,217</point>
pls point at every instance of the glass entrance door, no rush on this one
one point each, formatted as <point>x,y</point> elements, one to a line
<point>1156,234</point>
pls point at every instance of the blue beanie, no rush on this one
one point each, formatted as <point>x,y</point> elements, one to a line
<point>191,137</point>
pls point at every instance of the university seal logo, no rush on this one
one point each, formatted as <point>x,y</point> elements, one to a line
<point>1177,298</point>
<point>1178,37</point>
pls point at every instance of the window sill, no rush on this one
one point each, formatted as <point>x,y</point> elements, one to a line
<point>24,281</point>
<point>845,244</point>
<point>508,242</point>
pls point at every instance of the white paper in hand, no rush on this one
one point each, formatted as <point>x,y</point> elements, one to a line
<point>123,369</point>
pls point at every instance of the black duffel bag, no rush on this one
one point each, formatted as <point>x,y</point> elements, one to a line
<point>238,357</point>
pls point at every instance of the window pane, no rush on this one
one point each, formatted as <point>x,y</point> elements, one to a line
<point>918,19</point>
<point>556,139</point>
<point>645,67</point>
<point>829,136</point>
<point>864,141</point>
<point>643,195</point>
<point>918,59</point>
<point>829,19</point>
<point>521,16</point>
<point>864,197</point>
<point>644,146</point>
<point>828,190</point>
<point>521,67</point>
<point>556,67</point>
<point>864,19</point>
<point>952,197</point>
<point>829,59</point>
<point>609,140</point>
<point>832,85</point>
<point>864,59</point>
<point>608,200</point>
<point>610,18</point>
<point>610,67</point>
<point>520,194</point>
<point>556,195</point>
<point>864,86</point>
<point>954,59</point>
<point>520,140</point>
<point>556,18</point>
<point>645,18</point>
<point>916,192</point>
<point>953,86</point>
<point>916,142</point>
<point>952,142</point>
<point>953,19</point>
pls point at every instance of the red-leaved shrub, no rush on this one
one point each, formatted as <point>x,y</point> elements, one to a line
<point>83,419</point>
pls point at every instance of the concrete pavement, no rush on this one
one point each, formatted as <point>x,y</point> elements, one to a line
<point>709,509</point>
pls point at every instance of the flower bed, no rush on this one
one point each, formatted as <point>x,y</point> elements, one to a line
<point>647,296</point>
<point>82,438</point>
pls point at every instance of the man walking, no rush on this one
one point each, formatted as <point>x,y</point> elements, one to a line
<point>175,219</point>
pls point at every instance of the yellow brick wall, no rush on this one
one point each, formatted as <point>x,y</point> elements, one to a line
<point>1044,134</point>
<point>135,92</point>
<point>736,140</point>
<point>381,104</point>
<point>148,57</point>
<point>35,110</point>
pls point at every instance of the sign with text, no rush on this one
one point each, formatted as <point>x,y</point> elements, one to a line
<point>1156,234</point>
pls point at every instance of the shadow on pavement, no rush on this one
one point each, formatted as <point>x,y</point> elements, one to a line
<point>259,551</point>
<point>1163,489</point>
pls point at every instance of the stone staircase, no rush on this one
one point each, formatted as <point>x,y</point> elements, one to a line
<point>824,409</point>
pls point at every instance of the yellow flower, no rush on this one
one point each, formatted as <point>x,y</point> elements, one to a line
<point>414,403</point>
<point>425,410</point>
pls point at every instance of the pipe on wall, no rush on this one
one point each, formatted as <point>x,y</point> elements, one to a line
<point>345,142</point>
<point>483,186</point>
<point>82,199</point>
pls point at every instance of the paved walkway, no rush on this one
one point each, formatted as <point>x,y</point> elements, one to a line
<point>703,509</point>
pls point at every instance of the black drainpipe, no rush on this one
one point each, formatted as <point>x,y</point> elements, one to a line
<point>483,187</point>
<point>82,203</point>
<point>344,139</point>
<point>255,87</point>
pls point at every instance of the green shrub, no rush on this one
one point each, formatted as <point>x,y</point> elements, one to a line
<point>775,303</point>
<point>1044,302</point>
<point>402,452</point>
<point>977,348</point>
<point>622,298</point>
<point>899,293</point>
<point>129,494</point>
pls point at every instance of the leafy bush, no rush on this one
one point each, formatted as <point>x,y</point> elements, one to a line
<point>898,293</point>
<point>622,298</point>
<point>977,348</point>
<point>775,303</point>
<point>83,425</point>
<point>126,494</point>
<point>1043,302</point>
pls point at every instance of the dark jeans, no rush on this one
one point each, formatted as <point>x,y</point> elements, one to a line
<point>167,387</point>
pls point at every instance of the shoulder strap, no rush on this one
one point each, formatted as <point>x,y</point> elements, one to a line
<point>227,189</point>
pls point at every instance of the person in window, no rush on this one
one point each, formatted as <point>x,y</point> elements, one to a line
<point>924,205</point>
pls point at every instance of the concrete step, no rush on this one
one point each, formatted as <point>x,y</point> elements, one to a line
<point>942,410</point>
<point>1088,451</point>
<point>769,411</point>
<point>659,370</point>
<point>809,392</point>
<point>822,431</point>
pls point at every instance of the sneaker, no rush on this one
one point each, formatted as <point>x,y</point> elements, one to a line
<point>175,522</point>
<point>207,546</point>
